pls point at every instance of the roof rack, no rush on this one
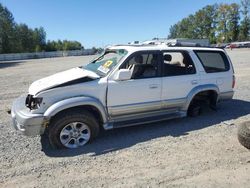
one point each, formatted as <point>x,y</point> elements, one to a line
<point>134,45</point>
<point>186,44</point>
<point>169,44</point>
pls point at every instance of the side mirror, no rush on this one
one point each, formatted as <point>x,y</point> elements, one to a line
<point>123,74</point>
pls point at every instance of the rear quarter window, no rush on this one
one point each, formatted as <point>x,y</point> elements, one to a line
<point>213,61</point>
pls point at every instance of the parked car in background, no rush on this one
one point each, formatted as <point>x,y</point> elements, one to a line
<point>239,45</point>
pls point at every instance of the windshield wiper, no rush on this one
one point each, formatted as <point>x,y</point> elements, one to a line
<point>98,58</point>
<point>102,56</point>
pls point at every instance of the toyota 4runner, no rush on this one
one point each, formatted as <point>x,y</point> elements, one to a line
<point>126,85</point>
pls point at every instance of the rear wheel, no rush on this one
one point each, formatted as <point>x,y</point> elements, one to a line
<point>194,109</point>
<point>201,100</point>
<point>72,129</point>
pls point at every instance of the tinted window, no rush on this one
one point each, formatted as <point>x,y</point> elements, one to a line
<point>177,63</point>
<point>213,61</point>
<point>146,59</point>
<point>143,65</point>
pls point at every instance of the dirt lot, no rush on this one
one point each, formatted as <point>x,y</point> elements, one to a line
<point>189,152</point>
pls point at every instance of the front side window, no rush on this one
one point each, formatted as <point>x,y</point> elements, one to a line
<point>143,65</point>
<point>213,61</point>
<point>177,63</point>
<point>106,62</point>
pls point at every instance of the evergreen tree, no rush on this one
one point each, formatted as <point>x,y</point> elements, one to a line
<point>6,30</point>
<point>245,23</point>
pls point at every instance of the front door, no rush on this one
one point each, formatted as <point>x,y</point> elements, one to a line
<point>142,93</point>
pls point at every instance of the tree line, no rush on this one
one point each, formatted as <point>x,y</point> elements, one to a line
<point>220,23</point>
<point>18,38</point>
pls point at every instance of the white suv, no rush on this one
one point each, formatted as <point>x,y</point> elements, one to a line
<point>126,85</point>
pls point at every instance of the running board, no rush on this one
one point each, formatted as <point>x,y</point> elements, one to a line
<point>146,120</point>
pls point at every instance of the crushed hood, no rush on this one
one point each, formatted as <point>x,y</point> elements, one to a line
<point>60,79</point>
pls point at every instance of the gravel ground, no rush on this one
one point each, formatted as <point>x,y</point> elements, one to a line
<point>188,152</point>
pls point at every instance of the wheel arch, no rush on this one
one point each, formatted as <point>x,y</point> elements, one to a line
<point>90,104</point>
<point>199,89</point>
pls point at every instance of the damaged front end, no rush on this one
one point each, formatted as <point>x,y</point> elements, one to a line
<point>33,102</point>
<point>24,120</point>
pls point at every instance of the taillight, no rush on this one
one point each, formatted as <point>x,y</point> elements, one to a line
<point>233,83</point>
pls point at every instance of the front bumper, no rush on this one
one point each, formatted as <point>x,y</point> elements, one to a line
<point>26,122</point>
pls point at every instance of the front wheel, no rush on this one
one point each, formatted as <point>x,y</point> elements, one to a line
<point>72,130</point>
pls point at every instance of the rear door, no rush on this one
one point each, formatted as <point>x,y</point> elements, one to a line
<point>179,77</point>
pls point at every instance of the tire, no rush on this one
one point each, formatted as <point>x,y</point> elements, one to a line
<point>244,134</point>
<point>72,129</point>
<point>194,110</point>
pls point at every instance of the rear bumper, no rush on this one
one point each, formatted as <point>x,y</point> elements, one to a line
<point>226,95</point>
<point>26,122</point>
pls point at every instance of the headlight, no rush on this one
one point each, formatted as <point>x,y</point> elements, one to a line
<point>33,103</point>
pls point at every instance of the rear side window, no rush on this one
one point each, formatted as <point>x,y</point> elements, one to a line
<point>213,61</point>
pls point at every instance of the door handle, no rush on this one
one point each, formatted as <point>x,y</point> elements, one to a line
<point>153,86</point>
<point>194,82</point>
